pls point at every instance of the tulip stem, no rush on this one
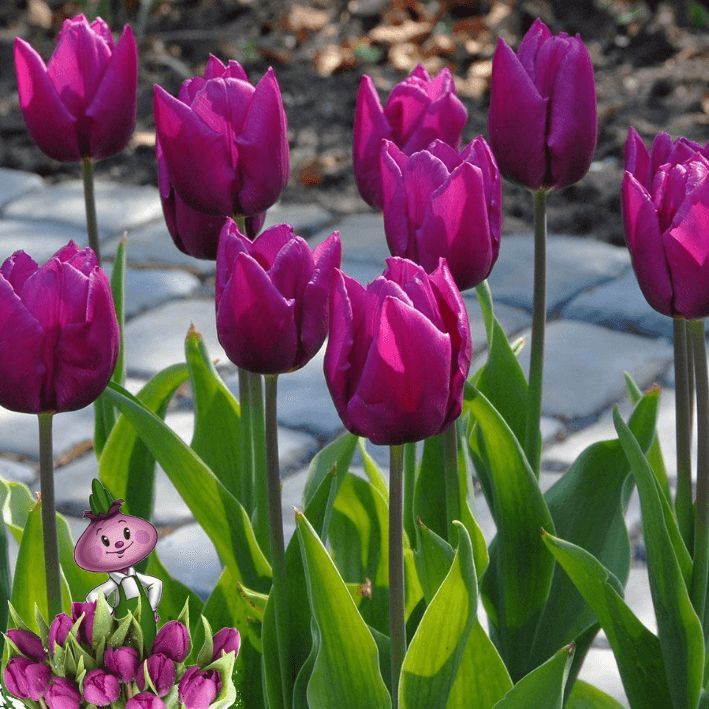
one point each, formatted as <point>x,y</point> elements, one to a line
<point>452,485</point>
<point>397,604</point>
<point>258,437</point>
<point>278,556</point>
<point>245,443</point>
<point>409,489</point>
<point>49,519</point>
<point>701,516</point>
<point>87,172</point>
<point>539,314</point>
<point>683,431</point>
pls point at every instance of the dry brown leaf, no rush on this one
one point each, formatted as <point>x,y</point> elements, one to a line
<point>408,31</point>
<point>332,58</point>
<point>143,139</point>
<point>439,44</point>
<point>306,19</point>
<point>39,14</point>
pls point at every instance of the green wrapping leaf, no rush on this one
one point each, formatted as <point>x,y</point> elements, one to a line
<point>517,583</point>
<point>587,505</point>
<point>227,694</point>
<point>216,422</point>
<point>543,687</point>
<point>436,650</point>
<point>680,630</point>
<point>17,504</point>
<point>126,465</point>
<point>218,512</point>
<point>586,696</point>
<point>346,670</point>
<point>636,649</point>
<point>5,582</point>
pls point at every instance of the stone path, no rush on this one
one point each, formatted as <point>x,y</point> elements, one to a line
<point>599,325</point>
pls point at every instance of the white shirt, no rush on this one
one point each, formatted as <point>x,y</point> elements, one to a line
<point>152,586</point>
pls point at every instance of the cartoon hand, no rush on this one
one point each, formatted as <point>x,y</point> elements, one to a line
<point>157,617</point>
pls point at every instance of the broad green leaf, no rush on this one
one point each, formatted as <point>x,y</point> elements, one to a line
<point>346,670</point>
<point>680,630</point>
<point>429,491</point>
<point>517,582</point>
<point>372,471</point>
<point>17,505</point>
<point>434,556</point>
<point>636,649</point>
<point>542,687</point>
<point>218,512</point>
<point>337,455</point>
<point>432,661</point>
<point>585,696</point>
<point>174,593</point>
<point>5,584</point>
<point>127,466</point>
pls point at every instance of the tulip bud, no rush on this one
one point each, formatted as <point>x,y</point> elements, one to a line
<point>173,641</point>
<point>122,662</point>
<point>419,110</point>
<point>665,196</point>
<point>87,624</point>
<point>145,700</point>
<point>224,140</point>
<point>58,630</point>
<point>442,204</point>
<point>162,673</point>
<point>398,352</point>
<point>62,694</point>
<point>272,297</point>
<point>28,644</point>
<point>197,689</point>
<point>542,119</point>
<point>82,104</point>
<point>226,640</point>
<point>101,688</point>
<point>15,677</point>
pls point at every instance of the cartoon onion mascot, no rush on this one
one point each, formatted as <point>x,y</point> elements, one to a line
<point>114,542</point>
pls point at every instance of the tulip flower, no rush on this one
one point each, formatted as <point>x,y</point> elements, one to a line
<point>145,700</point>
<point>398,353</point>
<point>418,110</point>
<point>28,644</point>
<point>62,694</point>
<point>122,662</point>
<point>272,297</point>
<point>87,624</point>
<point>441,204</point>
<point>58,631</point>
<point>101,688</point>
<point>226,640</point>
<point>15,677</point>
<point>82,104</point>
<point>224,140</point>
<point>173,641</point>
<point>542,119</point>
<point>162,673</point>
<point>197,689</point>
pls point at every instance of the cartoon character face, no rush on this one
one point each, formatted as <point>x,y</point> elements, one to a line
<point>115,543</point>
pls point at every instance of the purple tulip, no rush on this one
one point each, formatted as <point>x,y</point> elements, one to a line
<point>226,640</point>
<point>199,689</point>
<point>28,644</point>
<point>162,672</point>
<point>419,110</point>
<point>101,688</point>
<point>173,641</point>
<point>15,677</point>
<point>145,700</point>
<point>82,104</point>
<point>58,631</point>
<point>665,197</point>
<point>398,353</point>
<point>542,119</point>
<point>122,662</point>
<point>442,204</point>
<point>62,694</point>
<point>87,624</point>
<point>225,141</point>
<point>272,297</point>
<point>60,341</point>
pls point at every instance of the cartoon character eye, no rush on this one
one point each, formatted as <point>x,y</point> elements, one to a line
<point>126,533</point>
<point>104,540</point>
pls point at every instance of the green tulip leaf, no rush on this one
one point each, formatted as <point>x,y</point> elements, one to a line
<point>585,696</point>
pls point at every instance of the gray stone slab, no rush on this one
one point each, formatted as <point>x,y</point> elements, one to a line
<point>362,238</point>
<point>118,206</point>
<point>156,339</point>
<point>513,320</point>
<point>637,596</point>
<point>189,555</point>
<point>14,471</point>
<point>39,239</point>
<point>14,183</point>
<point>600,669</point>
<point>573,265</point>
<point>584,365</point>
<point>306,219</point>
<point>292,496</point>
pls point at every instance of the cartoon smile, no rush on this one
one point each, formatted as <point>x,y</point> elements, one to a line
<point>120,552</point>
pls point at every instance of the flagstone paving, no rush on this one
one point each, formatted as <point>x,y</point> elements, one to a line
<point>600,326</point>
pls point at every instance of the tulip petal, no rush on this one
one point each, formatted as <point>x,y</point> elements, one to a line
<point>393,200</point>
<point>255,323</point>
<point>405,109</point>
<point>414,282</point>
<point>17,269</point>
<point>266,246</point>
<point>423,174</point>
<point>291,271</point>
<point>113,109</point>
<point>529,47</point>
<point>444,119</point>
<point>637,158</point>
<point>263,148</point>
<point>196,156</point>
<point>231,243</point>
<point>448,155</point>
<point>516,120</point>
<point>48,120</point>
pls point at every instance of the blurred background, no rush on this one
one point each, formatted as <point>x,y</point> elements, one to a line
<point>651,60</point>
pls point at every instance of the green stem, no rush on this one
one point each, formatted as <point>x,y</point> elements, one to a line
<point>87,172</point>
<point>245,444</point>
<point>452,484</point>
<point>49,519</point>
<point>258,441</point>
<point>536,363</point>
<point>701,517</point>
<point>278,556</point>
<point>397,603</point>
<point>409,489</point>
<point>683,432</point>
